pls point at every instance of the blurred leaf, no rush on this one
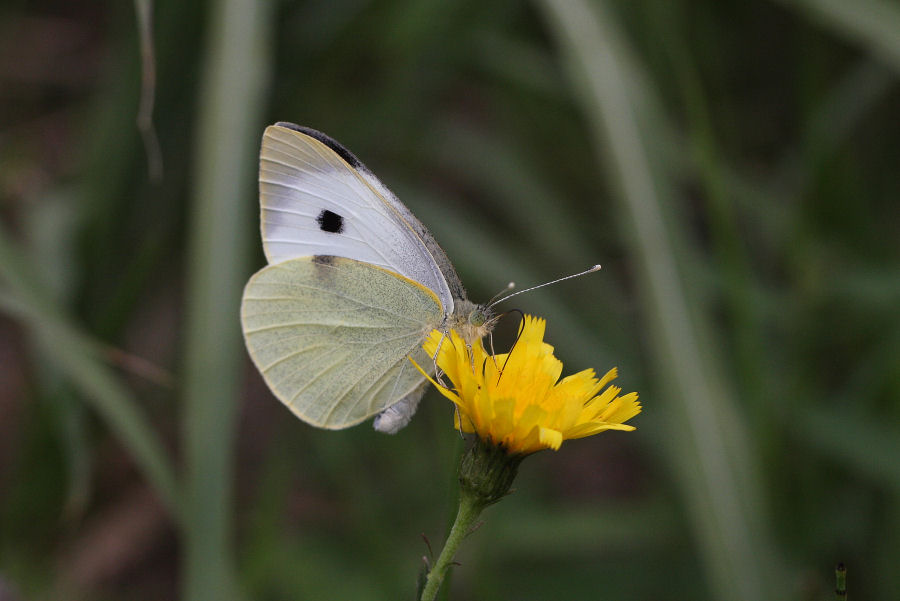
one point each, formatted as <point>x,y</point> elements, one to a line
<point>709,445</point>
<point>874,24</point>
<point>518,61</point>
<point>863,445</point>
<point>516,191</point>
<point>81,359</point>
<point>560,532</point>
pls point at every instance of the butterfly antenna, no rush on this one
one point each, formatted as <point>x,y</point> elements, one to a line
<point>568,277</point>
<point>508,287</point>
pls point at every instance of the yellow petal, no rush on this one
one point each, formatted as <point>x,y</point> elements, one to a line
<point>518,400</point>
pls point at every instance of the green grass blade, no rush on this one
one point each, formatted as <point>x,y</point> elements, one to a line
<point>708,442</point>
<point>230,109</point>
<point>80,359</point>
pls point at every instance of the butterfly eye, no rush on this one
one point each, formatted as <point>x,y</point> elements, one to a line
<point>477,317</point>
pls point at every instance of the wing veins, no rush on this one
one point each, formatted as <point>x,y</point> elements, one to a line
<point>292,355</point>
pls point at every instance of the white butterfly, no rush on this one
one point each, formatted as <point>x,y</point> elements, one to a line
<point>354,285</point>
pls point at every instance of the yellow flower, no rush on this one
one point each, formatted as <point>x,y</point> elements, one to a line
<point>517,401</point>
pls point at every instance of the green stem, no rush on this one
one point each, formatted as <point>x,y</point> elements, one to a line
<point>469,510</point>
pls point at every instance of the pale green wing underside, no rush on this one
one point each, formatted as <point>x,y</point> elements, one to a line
<point>331,336</point>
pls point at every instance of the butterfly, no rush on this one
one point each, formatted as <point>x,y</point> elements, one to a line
<point>354,284</point>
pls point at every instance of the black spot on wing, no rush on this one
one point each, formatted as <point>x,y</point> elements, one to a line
<point>326,260</point>
<point>330,222</point>
<point>328,141</point>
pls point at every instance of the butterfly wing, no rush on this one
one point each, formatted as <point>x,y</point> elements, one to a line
<point>317,198</point>
<point>331,336</point>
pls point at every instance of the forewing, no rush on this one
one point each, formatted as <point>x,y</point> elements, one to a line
<point>317,199</point>
<point>331,336</point>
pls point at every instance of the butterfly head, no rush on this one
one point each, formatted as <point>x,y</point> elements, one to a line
<point>472,322</point>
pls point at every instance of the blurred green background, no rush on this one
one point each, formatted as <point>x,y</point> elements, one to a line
<point>733,165</point>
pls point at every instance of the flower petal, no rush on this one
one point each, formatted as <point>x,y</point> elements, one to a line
<point>518,400</point>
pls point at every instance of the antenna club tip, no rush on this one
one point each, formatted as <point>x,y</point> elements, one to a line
<point>595,268</point>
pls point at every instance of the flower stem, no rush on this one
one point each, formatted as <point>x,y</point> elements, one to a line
<point>469,510</point>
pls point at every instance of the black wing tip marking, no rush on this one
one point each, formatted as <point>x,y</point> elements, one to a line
<point>327,140</point>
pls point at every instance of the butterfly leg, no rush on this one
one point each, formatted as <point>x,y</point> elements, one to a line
<point>438,372</point>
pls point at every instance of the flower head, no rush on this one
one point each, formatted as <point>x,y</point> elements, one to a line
<point>516,400</point>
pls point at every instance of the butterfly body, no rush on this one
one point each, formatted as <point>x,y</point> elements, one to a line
<point>354,285</point>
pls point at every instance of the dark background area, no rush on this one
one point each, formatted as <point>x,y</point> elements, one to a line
<point>733,166</point>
